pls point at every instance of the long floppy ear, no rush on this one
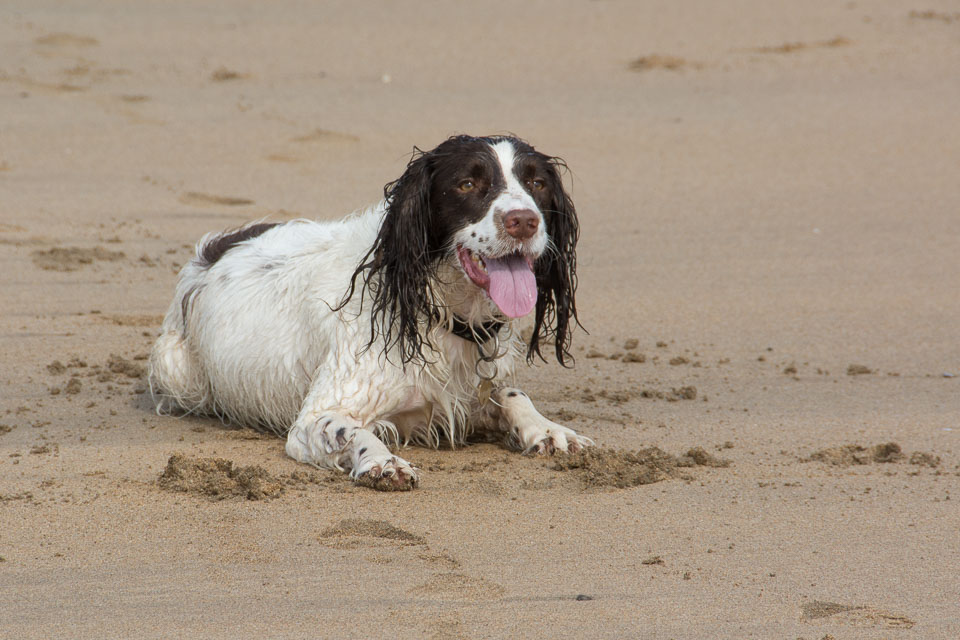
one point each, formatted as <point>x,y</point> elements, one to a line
<point>399,267</point>
<point>556,272</point>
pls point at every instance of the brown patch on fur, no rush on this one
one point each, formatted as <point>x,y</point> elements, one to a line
<point>215,248</point>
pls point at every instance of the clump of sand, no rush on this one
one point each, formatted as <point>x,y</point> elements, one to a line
<point>854,454</point>
<point>120,365</point>
<point>219,479</point>
<point>601,467</point>
<point>674,395</point>
<point>699,457</point>
<point>923,459</point>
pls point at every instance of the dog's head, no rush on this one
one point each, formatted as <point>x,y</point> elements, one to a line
<point>494,208</point>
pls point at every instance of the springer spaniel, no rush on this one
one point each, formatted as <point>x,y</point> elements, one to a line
<point>397,322</point>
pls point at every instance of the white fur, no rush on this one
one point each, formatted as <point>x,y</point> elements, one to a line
<point>260,345</point>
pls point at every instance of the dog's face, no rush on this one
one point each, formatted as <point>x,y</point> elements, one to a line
<point>489,199</point>
<point>493,208</point>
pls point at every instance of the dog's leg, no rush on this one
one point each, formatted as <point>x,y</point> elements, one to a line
<point>330,440</point>
<point>510,410</point>
<point>174,377</point>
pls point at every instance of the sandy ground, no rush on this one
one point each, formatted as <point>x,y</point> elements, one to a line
<point>768,193</point>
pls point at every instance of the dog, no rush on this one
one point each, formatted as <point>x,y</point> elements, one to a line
<point>398,323</point>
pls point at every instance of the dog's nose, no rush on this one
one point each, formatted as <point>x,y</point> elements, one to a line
<point>521,223</point>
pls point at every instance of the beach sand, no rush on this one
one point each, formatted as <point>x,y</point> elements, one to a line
<point>768,270</point>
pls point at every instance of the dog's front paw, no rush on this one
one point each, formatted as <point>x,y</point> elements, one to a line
<point>385,473</point>
<point>549,438</point>
<point>372,465</point>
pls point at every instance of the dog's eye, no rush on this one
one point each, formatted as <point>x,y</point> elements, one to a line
<point>466,186</point>
<point>536,184</point>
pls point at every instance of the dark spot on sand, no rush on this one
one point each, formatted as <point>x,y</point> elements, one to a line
<point>222,74</point>
<point>72,258</point>
<point>195,197</point>
<point>858,370</point>
<point>656,61</point>
<point>56,368</point>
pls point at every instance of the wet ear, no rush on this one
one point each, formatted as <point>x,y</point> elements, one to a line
<point>556,272</point>
<point>398,269</point>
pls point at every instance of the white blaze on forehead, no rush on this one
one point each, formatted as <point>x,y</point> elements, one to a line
<point>514,196</point>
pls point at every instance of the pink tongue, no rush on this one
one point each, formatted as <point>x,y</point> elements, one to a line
<point>513,287</point>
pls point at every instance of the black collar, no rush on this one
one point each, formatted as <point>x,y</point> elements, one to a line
<point>477,334</point>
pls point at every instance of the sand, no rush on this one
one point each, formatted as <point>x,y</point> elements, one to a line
<point>769,201</point>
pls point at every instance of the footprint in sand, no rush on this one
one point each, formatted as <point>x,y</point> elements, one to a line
<point>459,586</point>
<point>358,532</point>
<point>854,616</point>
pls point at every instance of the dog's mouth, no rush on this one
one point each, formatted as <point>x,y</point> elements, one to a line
<point>508,279</point>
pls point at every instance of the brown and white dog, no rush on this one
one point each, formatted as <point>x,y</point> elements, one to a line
<point>397,322</point>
